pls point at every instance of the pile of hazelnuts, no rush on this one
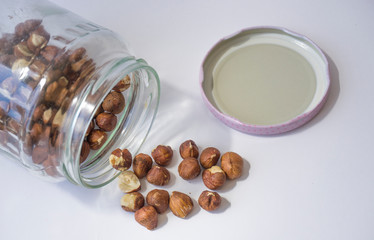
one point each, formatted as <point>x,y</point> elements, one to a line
<point>159,200</point>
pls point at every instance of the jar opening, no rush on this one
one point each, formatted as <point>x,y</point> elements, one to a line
<point>130,131</point>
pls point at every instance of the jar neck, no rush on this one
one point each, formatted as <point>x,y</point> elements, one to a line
<point>133,124</point>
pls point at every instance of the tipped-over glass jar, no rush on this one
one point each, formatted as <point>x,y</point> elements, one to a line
<point>70,93</point>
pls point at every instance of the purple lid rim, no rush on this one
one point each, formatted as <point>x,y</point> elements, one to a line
<point>266,129</point>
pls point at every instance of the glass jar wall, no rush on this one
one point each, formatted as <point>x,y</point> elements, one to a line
<point>70,93</point>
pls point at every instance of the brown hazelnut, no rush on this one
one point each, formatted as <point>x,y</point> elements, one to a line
<point>36,131</point>
<point>158,176</point>
<point>123,84</point>
<point>39,154</point>
<point>38,39</point>
<point>232,165</point>
<point>114,102</point>
<point>22,51</point>
<point>77,54</point>
<point>180,204</point>
<point>96,139</point>
<point>98,111</point>
<point>128,182</point>
<point>147,217</point>
<point>209,157</point>
<point>142,164</point>
<point>132,202</point>
<point>49,52</point>
<point>214,177</point>
<point>89,129</point>
<point>189,149</point>
<point>159,199</point>
<point>189,168</point>
<point>209,200</point>
<point>162,155</point>
<point>120,159</point>
<point>85,151</point>
<point>106,121</point>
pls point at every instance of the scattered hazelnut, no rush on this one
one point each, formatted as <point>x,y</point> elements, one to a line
<point>214,177</point>
<point>162,155</point>
<point>232,165</point>
<point>123,84</point>
<point>209,157</point>
<point>209,200</point>
<point>128,182</point>
<point>120,159</point>
<point>96,139</point>
<point>114,102</point>
<point>180,204</point>
<point>189,168</point>
<point>132,202</point>
<point>142,164</point>
<point>106,121</point>
<point>159,199</point>
<point>147,217</point>
<point>189,149</point>
<point>85,151</point>
<point>158,176</point>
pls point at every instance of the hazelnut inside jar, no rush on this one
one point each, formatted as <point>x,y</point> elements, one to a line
<point>71,94</point>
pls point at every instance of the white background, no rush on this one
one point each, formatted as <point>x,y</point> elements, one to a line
<point>316,182</point>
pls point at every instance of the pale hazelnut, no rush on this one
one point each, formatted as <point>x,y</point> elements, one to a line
<point>128,182</point>
<point>209,200</point>
<point>147,217</point>
<point>214,177</point>
<point>85,151</point>
<point>48,115</point>
<point>142,164</point>
<point>96,139</point>
<point>123,84</point>
<point>132,202</point>
<point>159,199</point>
<point>158,176</point>
<point>162,155</point>
<point>209,157</point>
<point>189,149</point>
<point>189,168</point>
<point>106,121</point>
<point>114,102</point>
<point>180,204</point>
<point>38,39</point>
<point>120,159</point>
<point>232,165</point>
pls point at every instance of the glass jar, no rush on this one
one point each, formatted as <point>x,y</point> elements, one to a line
<point>58,74</point>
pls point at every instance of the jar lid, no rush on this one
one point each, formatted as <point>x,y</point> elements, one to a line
<point>265,80</point>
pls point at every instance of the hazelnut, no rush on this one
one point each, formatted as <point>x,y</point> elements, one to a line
<point>189,149</point>
<point>232,165</point>
<point>98,111</point>
<point>36,131</point>
<point>123,84</point>
<point>159,199</point>
<point>189,168</point>
<point>120,159</point>
<point>162,155</point>
<point>77,54</point>
<point>89,129</point>
<point>39,154</point>
<point>209,157</point>
<point>132,202</point>
<point>85,151</point>
<point>147,217</point>
<point>38,39</point>
<point>22,51</point>
<point>106,121</point>
<point>114,102</point>
<point>209,200</point>
<point>128,182</point>
<point>214,177</point>
<point>49,52</point>
<point>158,176</point>
<point>142,164</point>
<point>180,204</point>
<point>96,139</point>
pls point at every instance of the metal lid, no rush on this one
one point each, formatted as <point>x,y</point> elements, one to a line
<point>265,80</point>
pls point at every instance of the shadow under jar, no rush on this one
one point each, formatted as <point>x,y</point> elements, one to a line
<point>56,69</point>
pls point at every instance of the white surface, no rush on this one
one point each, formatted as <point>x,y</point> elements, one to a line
<point>313,183</point>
